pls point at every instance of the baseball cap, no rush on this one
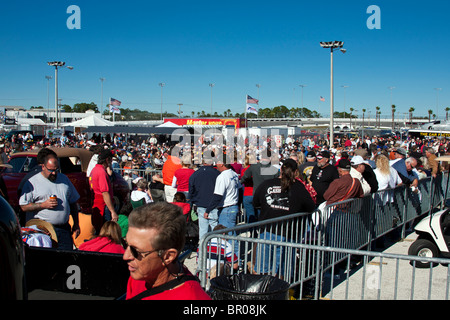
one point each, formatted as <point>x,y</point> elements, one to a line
<point>344,164</point>
<point>357,160</point>
<point>401,151</point>
<point>324,154</point>
<point>311,154</point>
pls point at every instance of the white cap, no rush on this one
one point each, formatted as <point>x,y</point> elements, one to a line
<point>357,160</point>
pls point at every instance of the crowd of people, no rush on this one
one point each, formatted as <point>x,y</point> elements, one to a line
<point>262,180</point>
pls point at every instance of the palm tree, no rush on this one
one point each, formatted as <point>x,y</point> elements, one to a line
<point>446,112</point>
<point>393,113</point>
<point>430,112</point>
<point>351,110</point>
<point>411,110</point>
<point>377,117</point>
<point>364,111</point>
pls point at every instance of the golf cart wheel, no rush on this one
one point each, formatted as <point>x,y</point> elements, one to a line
<point>423,248</point>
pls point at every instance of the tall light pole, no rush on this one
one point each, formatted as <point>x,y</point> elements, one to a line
<point>48,92</point>
<point>57,64</point>
<point>437,100</point>
<point>161,84</point>
<point>211,85</point>
<point>179,110</point>
<point>332,45</point>
<point>258,86</point>
<point>101,99</point>
<point>302,86</point>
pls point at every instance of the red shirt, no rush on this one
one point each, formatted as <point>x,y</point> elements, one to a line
<point>248,186</point>
<point>189,290</point>
<point>182,176</point>
<point>99,182</point>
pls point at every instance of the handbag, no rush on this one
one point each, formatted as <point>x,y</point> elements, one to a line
<point>310,190</point>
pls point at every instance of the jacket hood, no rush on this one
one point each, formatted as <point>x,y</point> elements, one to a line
<point>102,244</point>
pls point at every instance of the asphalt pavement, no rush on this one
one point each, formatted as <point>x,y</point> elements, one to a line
<point>392,279</point>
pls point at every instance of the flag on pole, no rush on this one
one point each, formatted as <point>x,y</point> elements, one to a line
<point>114,105</point>
<point>251,109</point>
<point>322,98</point>
<point>251,100</point>
<point>114,102</point>
<point>114,109</point>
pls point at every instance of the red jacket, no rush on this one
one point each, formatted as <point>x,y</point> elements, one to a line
<point>183,205</point>
<point>102,244</point>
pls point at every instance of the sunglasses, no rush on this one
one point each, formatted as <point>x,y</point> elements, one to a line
<point>52,170</point>
<point>136,253</point>
<point>319,158</point>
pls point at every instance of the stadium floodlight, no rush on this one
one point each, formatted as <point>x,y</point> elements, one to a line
<point>332,45</point>
<point>57,64</point>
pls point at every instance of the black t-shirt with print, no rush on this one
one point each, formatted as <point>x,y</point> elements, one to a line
<point>321,179</point>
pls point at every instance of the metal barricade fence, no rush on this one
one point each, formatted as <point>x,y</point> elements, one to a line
<point>282,247</point>
<point>261,247</point>
<point>361,275</point>
<point>366,275</point>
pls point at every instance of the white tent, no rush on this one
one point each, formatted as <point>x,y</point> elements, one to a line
<point>168,124</point>
<point>90,121</point>
<point>30,121</point>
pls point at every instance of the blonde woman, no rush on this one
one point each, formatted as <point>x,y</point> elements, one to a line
<point>387,176</point>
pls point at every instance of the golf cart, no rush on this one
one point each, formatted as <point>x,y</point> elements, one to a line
<point>433,231</point>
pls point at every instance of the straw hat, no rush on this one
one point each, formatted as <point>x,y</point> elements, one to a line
<point>44,225</point>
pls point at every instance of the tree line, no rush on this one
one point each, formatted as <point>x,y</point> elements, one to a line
<point>281,111</point>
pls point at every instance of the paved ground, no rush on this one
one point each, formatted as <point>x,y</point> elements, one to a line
<point>384,280</point>
<point>388,279</point>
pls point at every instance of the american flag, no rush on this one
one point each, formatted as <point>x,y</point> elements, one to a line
<point>114,102</point>
<point>251,100</point>
<point>322,98</point>
<point>251,109</point>
<point>114,109</point>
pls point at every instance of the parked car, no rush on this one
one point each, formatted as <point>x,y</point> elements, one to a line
<point>12,260</point>
<point>73,162</point>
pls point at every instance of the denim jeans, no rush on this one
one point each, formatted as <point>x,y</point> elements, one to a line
<point>228,215</point>
<point>270,258</point>
<point>250,212</point>
<point>206,225</point>
<point>64,234</point>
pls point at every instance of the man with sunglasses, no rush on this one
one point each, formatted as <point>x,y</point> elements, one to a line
<point>37,203</point>
<point>155,239</point>
<point>322,175</point>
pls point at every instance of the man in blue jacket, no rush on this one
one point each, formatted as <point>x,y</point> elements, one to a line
<point>201,190</point>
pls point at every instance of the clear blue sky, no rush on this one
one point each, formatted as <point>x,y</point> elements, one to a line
<point>234,44</point>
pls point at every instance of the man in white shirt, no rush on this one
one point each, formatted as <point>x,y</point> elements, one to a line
<point>357,170</point>
<point>226,195</point>
<point>37,202</point>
